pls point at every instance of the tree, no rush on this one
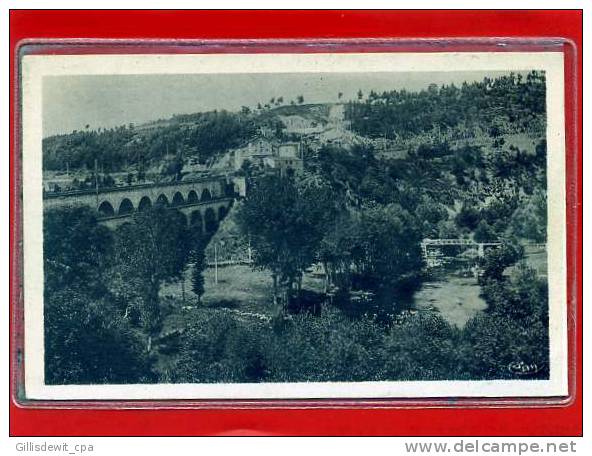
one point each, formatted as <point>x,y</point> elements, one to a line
<point>285,220</point>
<point>336,252</point>
<point>430,213</point>
<point>497,260</point>
<point>300,99</point>
<point>88,341</point>
<point>484,232</point>
<point>108,181</point>
<point>87,337</point>
<point>360,94</point>
<point>76,250</point>
<point>197,278</point>
<point>174,167</point>
<point>530,218</point>
<point>468,217</point>
<point>153,248</point>
<point>388,255</point>
<point>141,176</point>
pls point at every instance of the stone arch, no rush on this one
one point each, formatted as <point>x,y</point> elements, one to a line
<point>178,199</point>
<point>106,209</point>
<point>196,219</point>
<point>192,197</point>
<point>206,195</point>
<point>162,200</point>
<point>125,207</point>
<point>144,204</point>
<point>211,222</point>
<point>222,211</point>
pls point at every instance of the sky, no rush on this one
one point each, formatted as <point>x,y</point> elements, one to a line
<point>72,102</point>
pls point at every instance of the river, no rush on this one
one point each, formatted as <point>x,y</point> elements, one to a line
<point>455,298</point>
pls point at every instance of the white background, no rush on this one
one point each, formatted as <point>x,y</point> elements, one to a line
<point>157,446</point>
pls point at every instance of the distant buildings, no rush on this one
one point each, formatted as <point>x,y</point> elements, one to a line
<point>289,156</point>
<point>269,153</point>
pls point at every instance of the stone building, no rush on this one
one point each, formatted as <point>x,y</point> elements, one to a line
<point>270,154</point>
<point>289,156</point>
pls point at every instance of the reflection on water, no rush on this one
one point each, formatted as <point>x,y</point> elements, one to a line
<point>455,298</point>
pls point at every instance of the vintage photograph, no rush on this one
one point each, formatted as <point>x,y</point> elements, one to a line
<point>227,228</point>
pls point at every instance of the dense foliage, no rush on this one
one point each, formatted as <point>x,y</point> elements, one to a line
<point>202,136</point>
<point>101,305</point>
<point>285,220</point>
<point>152,249</point>
<point>88,338</point>
<point>506,104</point>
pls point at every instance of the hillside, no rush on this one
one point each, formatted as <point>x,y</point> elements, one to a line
<point>475,152</point>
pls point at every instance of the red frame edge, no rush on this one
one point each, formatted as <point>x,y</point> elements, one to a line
<point>558,421</point>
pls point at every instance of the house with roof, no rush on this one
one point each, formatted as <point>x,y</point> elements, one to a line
<point>268,153</point>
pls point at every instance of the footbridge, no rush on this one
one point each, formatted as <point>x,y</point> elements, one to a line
<point>204,201</point>
<point>431,255</point>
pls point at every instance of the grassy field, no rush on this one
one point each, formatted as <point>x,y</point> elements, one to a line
<point>238,287</point>
<point>537,259</point>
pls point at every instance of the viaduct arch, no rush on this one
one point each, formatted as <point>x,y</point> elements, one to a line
<point>204,202</point>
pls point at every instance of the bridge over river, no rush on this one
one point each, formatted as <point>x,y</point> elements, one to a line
<point>204,201</point>
<point>431,254</point>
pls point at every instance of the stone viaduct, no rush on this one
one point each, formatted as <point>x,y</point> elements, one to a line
<point>204,201</point>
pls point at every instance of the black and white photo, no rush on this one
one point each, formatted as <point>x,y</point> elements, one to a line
<point>294,226</point>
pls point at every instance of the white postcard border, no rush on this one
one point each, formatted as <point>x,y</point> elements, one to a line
<point>35,67</point>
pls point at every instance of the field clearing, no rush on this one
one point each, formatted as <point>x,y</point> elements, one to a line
<point>522,142</point>
<point>238,287</point>
<point>538,261</point>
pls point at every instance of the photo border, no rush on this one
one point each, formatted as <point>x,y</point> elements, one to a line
<point>401,418</point>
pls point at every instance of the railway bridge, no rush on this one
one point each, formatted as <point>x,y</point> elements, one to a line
<point>204,201</point>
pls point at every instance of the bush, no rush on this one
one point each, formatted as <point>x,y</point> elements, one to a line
<point>484,232</point>
<point>76,250</point>
<point>421,347</point>
<point>325,348</point>
<point>515,328</point>
<point>219,347</point>
<point>468,217</point>
<point>492,342</point>
<point>88,342</point>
